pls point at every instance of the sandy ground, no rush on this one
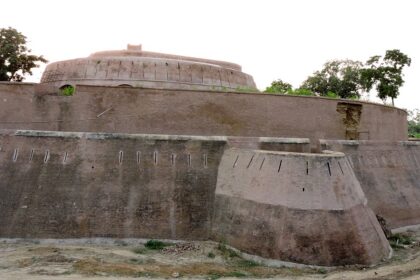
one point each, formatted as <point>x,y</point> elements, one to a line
<point>118,259</point>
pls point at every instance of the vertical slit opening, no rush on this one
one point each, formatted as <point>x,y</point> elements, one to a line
<point>249,164</point>
<point>120,157</point>
<point>205,160</point>
<point>47,156</point>
<point>278,170</point>
<point>138,157</point>
<point>189,159</point>
<point>262,163</point>
<point>155,157</point>
<point>307,167</point>
<point>236,160</point>
<point>173,159</point>
<point>329,168</point>
<point>65,157</point>
<point>31,155</point>
<point>15,155</point>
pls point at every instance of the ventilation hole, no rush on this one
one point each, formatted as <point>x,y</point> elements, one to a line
<point>236,160</point>
<point>303,189</point>
<point>249,164</point>
<point>278,170</point>
<point>93,167</point>
<point>15,155</point>
<point>262,163</point>
<point>340,168</point>
<point>138,157</point>
<point>189,159</point>
<point>120,157</point>
<point>155,157</point>
<point>65,157</point>
<point>329,168</point>
<point>66,90</point>
<point>31,155</point>
<point>47,156</point>
<point>173,156</point>
<point>205,160</point>
<point>307,168</point>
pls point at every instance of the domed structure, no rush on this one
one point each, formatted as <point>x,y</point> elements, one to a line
<point>137,68</point>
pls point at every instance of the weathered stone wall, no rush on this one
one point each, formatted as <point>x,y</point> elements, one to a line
<point>145,72</point>
<point>72,184</point>
<point>153,111</point>
<point>305,208</point>
<point>61,185</point>
<point>389,173</point>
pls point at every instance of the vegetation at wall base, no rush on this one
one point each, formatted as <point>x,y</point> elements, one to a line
<point>155,244</point>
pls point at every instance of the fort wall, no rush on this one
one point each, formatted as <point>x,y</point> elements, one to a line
<point>189,112</point>
<point>389,173</point>
<point>305,208</point>
<point>145,72</point>
<point>72,184</point>
<point>62,185</point>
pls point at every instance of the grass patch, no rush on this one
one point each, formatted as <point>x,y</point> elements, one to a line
<point>247,263</point>
<point>139,250</point>
<point>211,255</point>
<point>156,244</point>
<point>235,274</point>
<point>399,240</point>
<point>227,252</point>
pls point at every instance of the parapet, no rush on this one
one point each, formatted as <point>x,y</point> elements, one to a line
<point>134,67</point>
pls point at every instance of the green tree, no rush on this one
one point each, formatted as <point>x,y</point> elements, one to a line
<point>414,123</point>
<point>385,73</point>
<point>15,57</point>
<point>278,86</point>
<point>340,77</point>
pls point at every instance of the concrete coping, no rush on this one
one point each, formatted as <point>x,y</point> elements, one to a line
<point>104,135</point>
<point>368,142</point>
<point>328,154</point>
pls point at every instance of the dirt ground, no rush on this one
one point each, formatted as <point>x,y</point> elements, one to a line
<point>121,259</point>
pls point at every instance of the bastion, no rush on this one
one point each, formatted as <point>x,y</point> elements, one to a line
<point>152,145</point>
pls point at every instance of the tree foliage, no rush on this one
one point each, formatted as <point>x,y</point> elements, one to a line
<point>414,123</point>
<point>278,86</point>
<point>15,57</point>
<point>385,74</point>
<point>340,77</point>
<point>349,78</point>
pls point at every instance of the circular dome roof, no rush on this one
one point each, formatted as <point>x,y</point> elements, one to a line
<point>138,68</point>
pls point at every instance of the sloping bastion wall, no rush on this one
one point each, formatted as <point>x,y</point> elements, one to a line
<point>188,112</point>
<point>68,184</point>
<point>389,173</point>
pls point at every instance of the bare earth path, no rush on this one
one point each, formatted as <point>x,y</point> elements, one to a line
<point>118,259</point>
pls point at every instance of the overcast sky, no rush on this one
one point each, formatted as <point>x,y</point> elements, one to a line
<point>286,39</point>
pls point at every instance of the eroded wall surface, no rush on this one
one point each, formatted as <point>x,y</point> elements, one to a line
<point>389,173</point>
<point>304,208</point>
<point>181,112</point>
<point>62,185</point>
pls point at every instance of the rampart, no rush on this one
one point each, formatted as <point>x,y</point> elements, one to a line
<point>305,208</point>
<point>71,184</point>
<point>389,173</point>
<point>147,69</point>
<point>189,112</point>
